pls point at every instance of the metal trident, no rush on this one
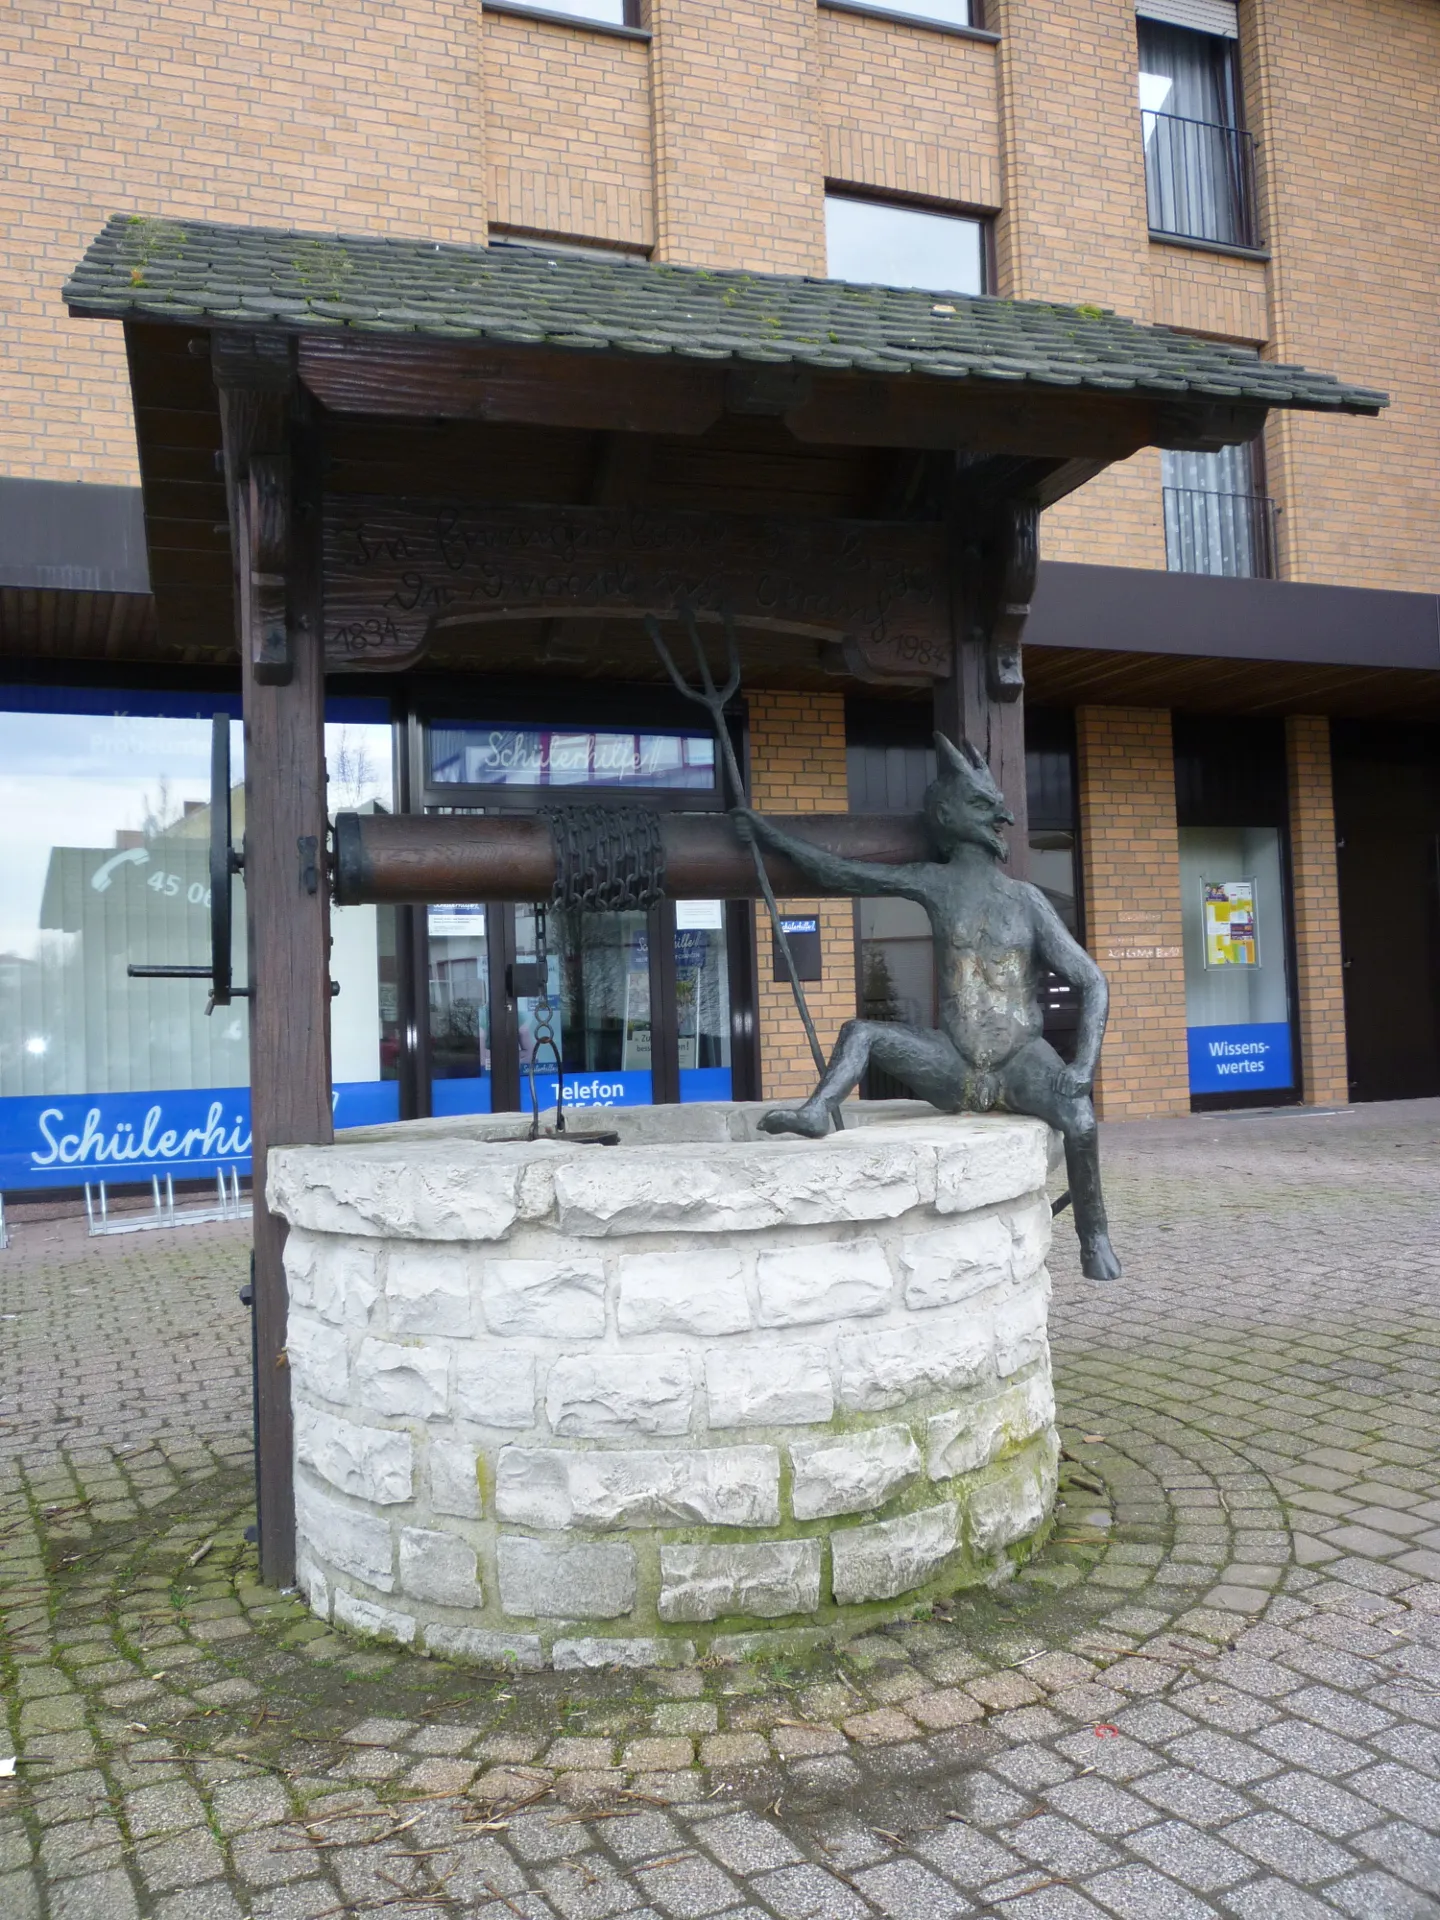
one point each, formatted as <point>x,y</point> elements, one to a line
<point>715,700</point>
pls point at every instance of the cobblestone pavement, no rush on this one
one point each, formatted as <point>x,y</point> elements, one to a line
<point>1217,1690</point>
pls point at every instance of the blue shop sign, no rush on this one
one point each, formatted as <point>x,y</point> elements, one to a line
<point>1233,1059</point>
<point>63,1140</point>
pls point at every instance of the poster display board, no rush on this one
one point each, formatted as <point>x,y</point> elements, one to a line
<point>1231,936</point>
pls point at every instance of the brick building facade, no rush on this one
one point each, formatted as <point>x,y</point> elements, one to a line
<point>712,136</point>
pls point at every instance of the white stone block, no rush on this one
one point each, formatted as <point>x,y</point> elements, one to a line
<point>831,1280</point>
<point>893,1556</point>
<point>770,1386</point>
<point>574,1656</point>
<point>598,1395</point>
<point>315,1587</point>
<point>318,1358</point>
<point>886,1368</point>
<point>409,1381</point>
<point>380,1623</point>
<point>495,1386</point>
<point>335,1277</point>
<point>454,1480</point>
<point>414,1188</point>
<point>852,1472</point>
<point>963,1439</point>
<point>371,1463</point>
<point>1013,1504</point>
<point>985,1160</point>
<point>954,1262</point>
<point>865,1174</point>
<point>709,1486</point>
<point>427,1290</point>
<point>768,1578</point>
<point>1033,1228</point>
<point>439,1567</point>
<point>557,1299</point>
<point>359,1543</point>
<point>545,1579</point>
<point>486,1647</point>
<point>1020,1339</point>
<point>690,1292</point>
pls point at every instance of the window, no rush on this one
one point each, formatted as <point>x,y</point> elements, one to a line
<point>104,862</point>
<point>1217,518</point>
<point>610,13</point>
<point>880,244</point>
<point>509,756</point>
<point>1199,163</point>
<point>948,13</point>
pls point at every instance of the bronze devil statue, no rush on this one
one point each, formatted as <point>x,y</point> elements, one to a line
<point>995,937</point>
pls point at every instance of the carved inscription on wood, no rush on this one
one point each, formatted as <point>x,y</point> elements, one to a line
<point>395,570</point>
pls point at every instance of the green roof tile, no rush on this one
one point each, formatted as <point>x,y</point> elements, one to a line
<point>141,268</point>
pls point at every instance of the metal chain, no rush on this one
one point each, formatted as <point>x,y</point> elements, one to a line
<point>607,859</point>
<point>544,1029</point>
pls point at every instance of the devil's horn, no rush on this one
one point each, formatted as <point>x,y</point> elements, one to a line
<point>948,751</point>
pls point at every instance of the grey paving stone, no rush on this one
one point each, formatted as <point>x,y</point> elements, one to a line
<point>1316,1803</point>
<point>1061,1845</point>
<point>1195,1859</point>
<point>1117,1759</point>
<point>1376,1896</point>
<point>1140,1893</point>
<point>1222,1758</point>
<point>642,1836</point>
<point>213,1901</point>
<point>1196,1798</point>
<point>1312,1747</point>
<point>100,1896</point>
<point>808,1893</point>
<point>1292,1850</point>
<point>1399,1789</point>
<point>1340,1712</point>
<point>970,1858</point>
<point>905,1890</point>
<point>1272,1899</point>
<point>690,1889</point>
<point>1100,1806</point>
<point>747,1844</point>
<point>1402,1849</point>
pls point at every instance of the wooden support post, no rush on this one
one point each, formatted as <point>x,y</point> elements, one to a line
<point>273,482</point>
<point>983,700</point>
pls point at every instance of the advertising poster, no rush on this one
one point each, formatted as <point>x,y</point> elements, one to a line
<point>1229,923</point>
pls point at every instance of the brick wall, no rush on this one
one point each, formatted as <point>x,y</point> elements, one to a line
<point>1315,911</point>
<point>1207,293</point>
<point>567,131</point>
<point>1346,100</point>
<point>345,114</point>
<point>910,110</point>
<point>739,152</point>
<point>797,765</point>
<point>1126,775</point>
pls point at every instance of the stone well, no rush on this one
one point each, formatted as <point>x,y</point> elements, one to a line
<point>581,1404</point>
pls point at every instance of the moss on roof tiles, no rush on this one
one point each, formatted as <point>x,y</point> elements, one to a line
<point>143,267</point>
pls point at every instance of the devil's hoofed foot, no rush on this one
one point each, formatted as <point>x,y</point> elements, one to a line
<point>1098,1260</point>
<point>812,1122</point>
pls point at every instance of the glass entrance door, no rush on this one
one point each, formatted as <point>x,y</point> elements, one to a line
<point>598,974</point>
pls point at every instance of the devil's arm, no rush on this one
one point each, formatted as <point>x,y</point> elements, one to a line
<point>1063,954</point>
<point>830,871</point>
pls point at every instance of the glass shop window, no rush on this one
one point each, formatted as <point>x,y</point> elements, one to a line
<point>702,1000</point>
<point>1237,996</point>
<point>609,759</point>
<point>876,243</point>
<point>104,862</point>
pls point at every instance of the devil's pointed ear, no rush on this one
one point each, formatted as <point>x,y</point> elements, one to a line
<point>950,755</point>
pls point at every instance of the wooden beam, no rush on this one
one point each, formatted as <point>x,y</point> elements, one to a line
<point>271,442</point>
<point>395,570</point>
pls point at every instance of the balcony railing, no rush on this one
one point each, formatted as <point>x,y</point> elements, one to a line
<point>1200,180</point>
<point>1227,533</point>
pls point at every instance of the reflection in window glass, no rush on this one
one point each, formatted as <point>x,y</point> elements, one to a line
<point>104,863</point>
<point>459,1009</point>
<point>953,13</point>
<point>478,756</point>
<point>882,245</point>
<point>702,1000</point>
<point>612,12</point>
